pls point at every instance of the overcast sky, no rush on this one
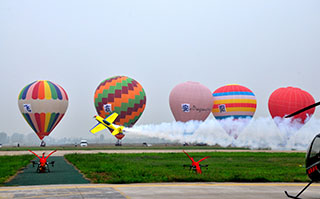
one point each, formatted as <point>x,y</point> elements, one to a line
<point>262,45</point>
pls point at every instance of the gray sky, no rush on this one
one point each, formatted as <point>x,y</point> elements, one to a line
<point>262,45</point>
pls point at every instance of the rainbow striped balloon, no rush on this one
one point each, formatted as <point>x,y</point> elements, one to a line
<point>122,95</point>
<point>43,105</point>
<point>233,101</point>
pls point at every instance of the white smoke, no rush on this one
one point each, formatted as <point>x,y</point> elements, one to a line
<point>257,133</point>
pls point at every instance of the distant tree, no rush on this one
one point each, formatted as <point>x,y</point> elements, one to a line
<point>50,140</point>
<point>17,138</point>
<point>4,139</point>
<point>101,139</point>
<point>32,139</point>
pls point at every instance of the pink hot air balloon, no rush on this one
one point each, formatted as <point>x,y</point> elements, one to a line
<point>190,101</point>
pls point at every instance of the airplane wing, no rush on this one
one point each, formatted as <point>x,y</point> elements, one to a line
<point>111,118</point>
<point>98,127</point>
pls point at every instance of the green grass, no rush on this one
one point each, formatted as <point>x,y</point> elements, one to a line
<point>9,165</point>
<point>167,167</point>
<point>112,147</point>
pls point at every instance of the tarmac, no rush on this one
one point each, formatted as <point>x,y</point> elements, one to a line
<point>60,173</point>
<point>162,191</point>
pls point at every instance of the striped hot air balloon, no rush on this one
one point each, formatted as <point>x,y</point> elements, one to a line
<point>235,102</point>
<point>122,95</point>
<point>43,104</point>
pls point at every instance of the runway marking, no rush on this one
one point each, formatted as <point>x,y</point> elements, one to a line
<point>51,195</point>
<point>2,189</point>
<point>123,194</point>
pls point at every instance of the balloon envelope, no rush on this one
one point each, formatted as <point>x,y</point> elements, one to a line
<point>233,102</point>
<point>43,104</point>
<point>190,101</point>
<point>284,101</point>
<point>122,95</point>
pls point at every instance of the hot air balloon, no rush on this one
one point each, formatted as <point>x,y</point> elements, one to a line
<point>284,101</point>
<point>190,101</point>
<point>122,95</point>
<point>234,106</point>
<point>43,104</point>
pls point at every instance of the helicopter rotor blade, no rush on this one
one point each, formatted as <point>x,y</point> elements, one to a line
<point>302,110</point>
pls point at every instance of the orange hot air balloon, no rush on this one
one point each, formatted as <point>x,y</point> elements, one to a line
<point>43,104</point>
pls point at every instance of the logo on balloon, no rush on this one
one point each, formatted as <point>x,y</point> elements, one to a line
<point>194,108</point>
<point>107,108</point>
<point>222,108</point>
<point>27,108</point>
<point>185,108</point>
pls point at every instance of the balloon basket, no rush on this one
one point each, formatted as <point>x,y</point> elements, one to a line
<point>43,143</point>
<point>118,143</point>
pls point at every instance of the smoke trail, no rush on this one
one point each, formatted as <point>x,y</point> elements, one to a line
<point>258,133</point>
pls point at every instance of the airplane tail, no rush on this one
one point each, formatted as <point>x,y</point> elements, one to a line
<point>118,130</point>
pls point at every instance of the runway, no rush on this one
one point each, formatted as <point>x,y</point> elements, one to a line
<point>61,173</point>
<point>163,190</point>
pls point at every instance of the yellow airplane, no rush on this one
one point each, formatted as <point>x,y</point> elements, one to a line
<point>107,123</point>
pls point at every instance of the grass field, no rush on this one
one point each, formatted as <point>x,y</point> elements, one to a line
<point>11,164</point>
<point>167,167</point>
<point>112,147</point>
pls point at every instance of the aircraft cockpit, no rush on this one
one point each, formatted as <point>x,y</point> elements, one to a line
<point>313,159</point>
<point>312,164</point>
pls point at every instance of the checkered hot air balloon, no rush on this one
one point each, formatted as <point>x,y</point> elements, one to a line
<point>122,95</point>
<point>43,104</point>
<point>233,105</point>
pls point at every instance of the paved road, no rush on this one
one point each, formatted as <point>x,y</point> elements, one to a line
<point>163,191</point>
